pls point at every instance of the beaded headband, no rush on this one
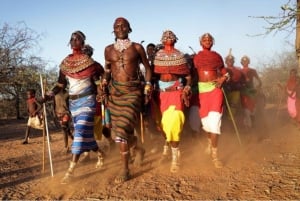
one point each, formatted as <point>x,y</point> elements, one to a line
<point>80,34</point>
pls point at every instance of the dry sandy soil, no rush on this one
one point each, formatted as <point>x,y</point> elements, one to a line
<point>265,166</point>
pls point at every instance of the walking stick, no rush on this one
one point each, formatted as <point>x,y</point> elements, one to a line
<point>142,127</point>
<point>232,118</point>
<point>46,126</point>
<point>44,129</point>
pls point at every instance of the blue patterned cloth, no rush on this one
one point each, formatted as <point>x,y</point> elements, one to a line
<point>83,111</point>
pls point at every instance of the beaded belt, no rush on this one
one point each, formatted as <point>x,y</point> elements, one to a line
<point>171,89</point>
<point>76,96</point>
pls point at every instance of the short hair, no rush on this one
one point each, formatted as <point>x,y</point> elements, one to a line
<point>229,57</point>
<point>150,45</point>
<point>207,35</point>
<point>293,70</point>
<point>31,91</point>
<point>125,20</point>
<point>245,58</point>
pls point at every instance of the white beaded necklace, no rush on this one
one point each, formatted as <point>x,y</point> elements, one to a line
<point>121,45</point>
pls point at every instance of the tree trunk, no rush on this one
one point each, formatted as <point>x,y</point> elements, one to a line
<point>298,33</point>
<point>18,107</point>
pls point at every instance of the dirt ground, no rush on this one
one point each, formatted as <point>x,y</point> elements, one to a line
<point>265,166</point>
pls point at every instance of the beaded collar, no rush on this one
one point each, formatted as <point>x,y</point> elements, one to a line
<point>74,65</point>
<point>121,45</point>
<point>174,58</point>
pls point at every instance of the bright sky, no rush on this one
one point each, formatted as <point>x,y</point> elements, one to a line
<point>227,20</point>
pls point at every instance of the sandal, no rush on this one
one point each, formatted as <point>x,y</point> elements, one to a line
<point>85,157</point>
<point>208,150</point>
<point>67,178</point>
<point>217,163</point>
<point>174,167</point>
<point>100,156</point>
<point>125,176</point>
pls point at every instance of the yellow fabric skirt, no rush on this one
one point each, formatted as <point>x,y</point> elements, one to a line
<point>172,123</point>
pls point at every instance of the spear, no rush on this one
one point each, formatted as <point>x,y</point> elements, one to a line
<point>46,128</point>
<point>192,49</point>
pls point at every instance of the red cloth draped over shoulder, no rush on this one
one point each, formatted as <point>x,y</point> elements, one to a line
<point>248,102</point>
<point>30,100</point>
<point>291,84</point>
<point>209,61</point>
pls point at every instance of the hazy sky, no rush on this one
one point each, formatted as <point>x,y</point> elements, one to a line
<point>227,20</point>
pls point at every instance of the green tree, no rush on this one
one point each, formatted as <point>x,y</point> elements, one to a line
<point>19,67</point>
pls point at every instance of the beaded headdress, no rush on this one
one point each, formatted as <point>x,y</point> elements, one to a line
<point>168,34</point>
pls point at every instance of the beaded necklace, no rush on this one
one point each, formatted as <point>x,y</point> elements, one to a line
<point>121,45</point>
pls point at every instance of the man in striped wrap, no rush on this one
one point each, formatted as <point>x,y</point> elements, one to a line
<point>122,60</point>
<point>211,74</point>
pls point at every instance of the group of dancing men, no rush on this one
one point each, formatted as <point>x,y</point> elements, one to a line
<point>169,83</point>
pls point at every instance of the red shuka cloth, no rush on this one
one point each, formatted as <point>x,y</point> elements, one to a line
<point>209,61</point>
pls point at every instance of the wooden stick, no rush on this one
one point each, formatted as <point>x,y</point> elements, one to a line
<point>142,127</point>
<point>232,118</point>
<point>46,125</point>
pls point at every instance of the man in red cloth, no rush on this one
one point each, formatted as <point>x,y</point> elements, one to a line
<point>211,76</point>
<point>233,86</point>
<point>249,92</point>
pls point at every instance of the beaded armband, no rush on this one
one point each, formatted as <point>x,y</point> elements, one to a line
<point>147,88</point>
